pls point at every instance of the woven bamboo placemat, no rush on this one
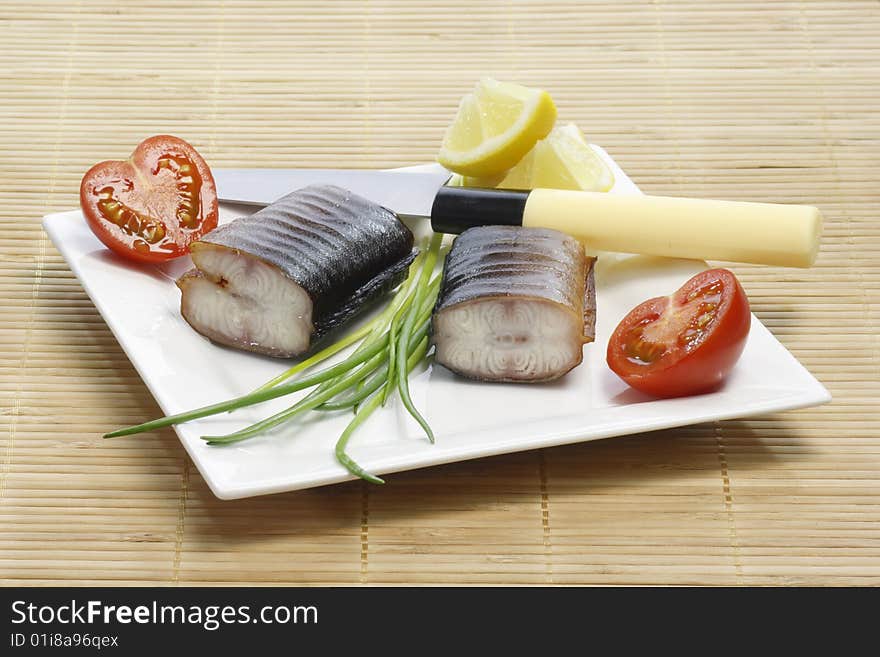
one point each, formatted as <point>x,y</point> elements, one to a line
<point>767,101</point>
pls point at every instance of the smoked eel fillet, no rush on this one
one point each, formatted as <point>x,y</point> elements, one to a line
<point>516,304</point>
<point>281,279</point>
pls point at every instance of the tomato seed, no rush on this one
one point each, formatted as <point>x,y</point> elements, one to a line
<point>153,233</point>
<point>640,349</point>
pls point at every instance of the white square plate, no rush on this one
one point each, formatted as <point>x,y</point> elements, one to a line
<point>183,370</point>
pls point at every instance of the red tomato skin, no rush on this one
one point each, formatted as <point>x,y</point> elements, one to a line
<point>143,157</point>
<point>704,368</point>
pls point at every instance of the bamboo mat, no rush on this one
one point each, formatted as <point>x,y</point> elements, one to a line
<point>767,101</point>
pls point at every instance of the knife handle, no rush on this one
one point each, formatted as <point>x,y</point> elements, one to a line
<point>733,231</point>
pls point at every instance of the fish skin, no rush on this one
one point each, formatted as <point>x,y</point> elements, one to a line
<point>537,265</point>
<point>343,250</point>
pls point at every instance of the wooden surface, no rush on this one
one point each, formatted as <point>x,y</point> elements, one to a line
<point>766,101</point>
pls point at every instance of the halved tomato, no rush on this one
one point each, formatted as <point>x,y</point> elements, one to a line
<point>151,206</point>
<point>685,343</point>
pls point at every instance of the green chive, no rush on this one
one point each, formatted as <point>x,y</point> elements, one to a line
<point>363,413</point>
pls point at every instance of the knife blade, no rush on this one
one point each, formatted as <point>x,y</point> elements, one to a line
<point>733,231</point>
<point>404,192</point>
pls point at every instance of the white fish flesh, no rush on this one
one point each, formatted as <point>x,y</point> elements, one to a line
<point>516,305</point>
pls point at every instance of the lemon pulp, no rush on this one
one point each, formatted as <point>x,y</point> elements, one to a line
<point>563,160</point>
<point>496,125</point>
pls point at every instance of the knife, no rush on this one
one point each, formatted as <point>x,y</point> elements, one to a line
<point>733,231</point>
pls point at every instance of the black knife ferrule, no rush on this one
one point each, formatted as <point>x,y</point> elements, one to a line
<point>456,209</point>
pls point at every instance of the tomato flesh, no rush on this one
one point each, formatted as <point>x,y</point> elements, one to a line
<point>686,343</point>
<point>151,206</point>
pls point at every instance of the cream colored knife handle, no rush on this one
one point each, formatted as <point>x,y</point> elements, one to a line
<point>735,231</point>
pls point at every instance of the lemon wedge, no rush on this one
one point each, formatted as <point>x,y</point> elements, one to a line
<point>496,125</point>
<point>564,160</point>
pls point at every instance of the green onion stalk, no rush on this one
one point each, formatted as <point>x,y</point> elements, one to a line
<point>389,348</point>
